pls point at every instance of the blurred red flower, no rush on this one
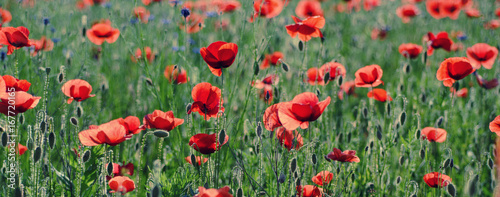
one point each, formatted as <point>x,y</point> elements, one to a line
<point>287,137</point>
<point>306,29</point>
<point>369,76</point>
<point>77,90</point>
<point>206,144</point>
<point>271,59</point>
<point>176,74</point>
<point>194,23</point>
<point>495,125</point>
<point>161,120</point>
<point>410,50</point>
<point>348,87</point>
<point>436,179</point>
<point>486,84</point>
<point>453,69</point>
<point>346,156</point>
<point>379,95</point>
<point>5,16</point>
<point>142,14</point>
<point>267,8</point>
<point>198,160</point>
<point>334,68</point>
<point>314,77</point>
<point>42,44</point>
<point>219,55</point>
<point>120,170</point>
<point>101,32</point>
<point>222,192</point>
<point>121,184</point>
<point>308,8</point>
<point>323,178</point>
<point>482,54</point>
<point>406,12</point>
<point>150,56</point>
<point>434,134</point>
<point>434,8</point>
<point>450,8</point>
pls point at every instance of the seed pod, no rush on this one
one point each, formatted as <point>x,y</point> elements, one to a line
<point>74,121</point>
<point>156,192</point>
<point>43,126</point>
<point>161,133</point>
<point>52,140</point>
<point>340,80</point>
<point>451,163</point>
<point>379,135</point>
<point>293,165</point>
<point>29,144</point>
<point>37,154</point>
<point>490,163</point>
<point>222,136</point>
<point>284,66</point>
<point>5,139</point>
<point>149,81</point>
<point>258,130</point>
<point>388,109</point>
<point>424,58</point>
<point>402,160</point>
<point>452,191</point>
<point>193,160</point>
<point>239,192</point>
<point>446,163</point>
<point>318,93</point>
<point>326,77</point>
<point>21,119</point>
<point>402,118</point>
<point>365,112</point>
<point>301,45</point>
<point>110,168</point>
<point>398,180</point>
<point>417,134</point>
<point>188,107</point>
<point>47,70</point>
<point>472,185</point>
<point>86,156</point>
<point>79,111</point>
<point>297,182</point>
<point>422,153</point>
<point>407,68</point>
<point>439,121</point>
<point>60,77</point>
<point>314,159</point>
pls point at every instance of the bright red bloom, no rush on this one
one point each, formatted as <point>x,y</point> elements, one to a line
<point>497,12</point>
<point>301,110</point>
<point>495,125</point>
<point>132,125</point>
<point>198,160</point>
<point>22,102</point>
<point>369,76</point>
<point>379,95</point>
<point>219,55</point>
<point>206,144</point>
<point>147,2</point>
<point>434,134</point>
<point>441,40</point>
<point>482,54</point>
<point>486,84</point>
<point>87,3</point>
<point>314,77</point>
<point>120,170</point>
<point>161,120</point>
<point>270,119</point>
<point>121,184</point>
<point>229,6</point>
<point>22,149</point>
<point>272,59</point>
<point>287,137</point>
<point>450,8</point>
<point>177,75</point>
<point>9,83</point>
<point>347,87</point>
<point>370,4</point>
<point>472,13</point>
<point>453,69</point>
<point>42,44</point>
<point>222,192</point>
<point>101,32</point>
<point>112,133</point>
<point>308,191</point>
<point>434,8</point>
<point>142,13</point>
<point>307,28</point>
<point>308,8</point>
<point>267,8</point>
<point>15,38</point>
<point>207,100</point>
<point>194,23</point>
<point>77,90</point>
<point>493,24</point>
<point>436,179</point>
<point>378,33</point>
<point>150,56</point>
<point>323,178</point>
<point>410,50</point>
<point>346,156</point>
<point>406,12</point>
<point>462,93</point>
<point>5,16</point>
<point>334,68</point>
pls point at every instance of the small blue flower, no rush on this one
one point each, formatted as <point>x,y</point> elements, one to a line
<point>3,55</point>
<point>166,21</point>
<point>211,14</point>
<point>151,17</point>
<point>191,41</point>
<point>462,37</point>
<point>52,29</point>
<point>134,20</point>
<point>185,12</point>
<point>108,5</point>
<point>46,21</point>
<point>196,50</point>
<point>56,40</point>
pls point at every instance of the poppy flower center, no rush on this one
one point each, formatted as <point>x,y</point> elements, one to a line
<point>102,30</point>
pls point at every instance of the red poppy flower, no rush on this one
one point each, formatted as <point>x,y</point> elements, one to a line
<point>495,125</point>
<point>369,76</point>
<point>121,184</point>
<point>308,191</point>
<point>270,119</point>
<point>222,192</point>
<point>271,60</point>
<point>462,93</point>
<point>486,84</point>
<point>206,144</point>
<point>219,55</point>
<point>493,24</point>
<point>270,80</point>
<point>5,16</point>
<point>22,149</point>
<point>301,110</point>
<point>101,32</point>
<point>132,125</point>
<point>229,6</point>
<point>322,178</point>
<point>9,83</point>
<point>147,2</point>
<point>142,14</point>
<point>434,8</point>
<point>177,75</point>
<point>194,23</point>
<point>111,133</point>
<point>436,179</point>
<point>482,54</point>
<point>346,156</point>
<point>406,12</point>
<point>77,90</point>
<point>87,3</point>
<point>308,8</point>
<point>434,134</point>
<point>307,28</point>
<point>453,69</point>
<point>472,13</point>
<point>450,8</point>
<point>497,12</point>
<point>334,68</point>
<point>120,170</point>
<point>287,137</point>
<point>441,40</point>
<point>207,100</point>
<point>370,4</point>
<point>314,77</point>
<point>347,87</point>
<point>267,94</point>
<point>378,33</point>
<point>22,102</point>
<point>379,95</point>
<point>42,44</point>
<point>410,50</point>
<point>267,8</point>
<point>150,56</point>
<point>198,160</point>
<point>161,120</point>
<point>15,38</point>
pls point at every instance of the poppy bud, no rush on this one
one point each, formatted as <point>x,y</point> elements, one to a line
<point>282,178</point>
<point>451,163</point>
<point>29,143</point>
<point>256,68</point>
<point>74,121</point>
<point>439,122</point>
<point>5,139</point>
<point>156,192</point>
<point>86,156</point>
<point>79,111</point>
<point>193,158</point>
<point>21,119</point>
<point>161,133</point>
<point>258,130</point>
<point>284,66</point>
<point>424,58</point>
<point>149,81</point>
<point>222,137</point>
<point>84,32</point>
<point>451,190</point>
<point>52,139</point>
<point>47,70</point>
<point>402,118</point>
<point>297,182</point>
<point>314,159</point>
<point>490,163</point>
<point>422,153</point>
<point>327,159</point>
<point>417,134</point>
<point>472,185</point>
<point>407,68</point>
<point>379,135</point>
<point>398,180</point>
<point>301,45</point>
<point>188,107</point>
<point>318,93</point>
<point>37,155</point>
<point>446,163</point>
<point>388,109</point>
<point>185,12</point>
<point>239,193</point>
<point>293,165</point>
<point>340,80</point>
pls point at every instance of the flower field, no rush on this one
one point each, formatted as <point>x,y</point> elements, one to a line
<point>220,98</point>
